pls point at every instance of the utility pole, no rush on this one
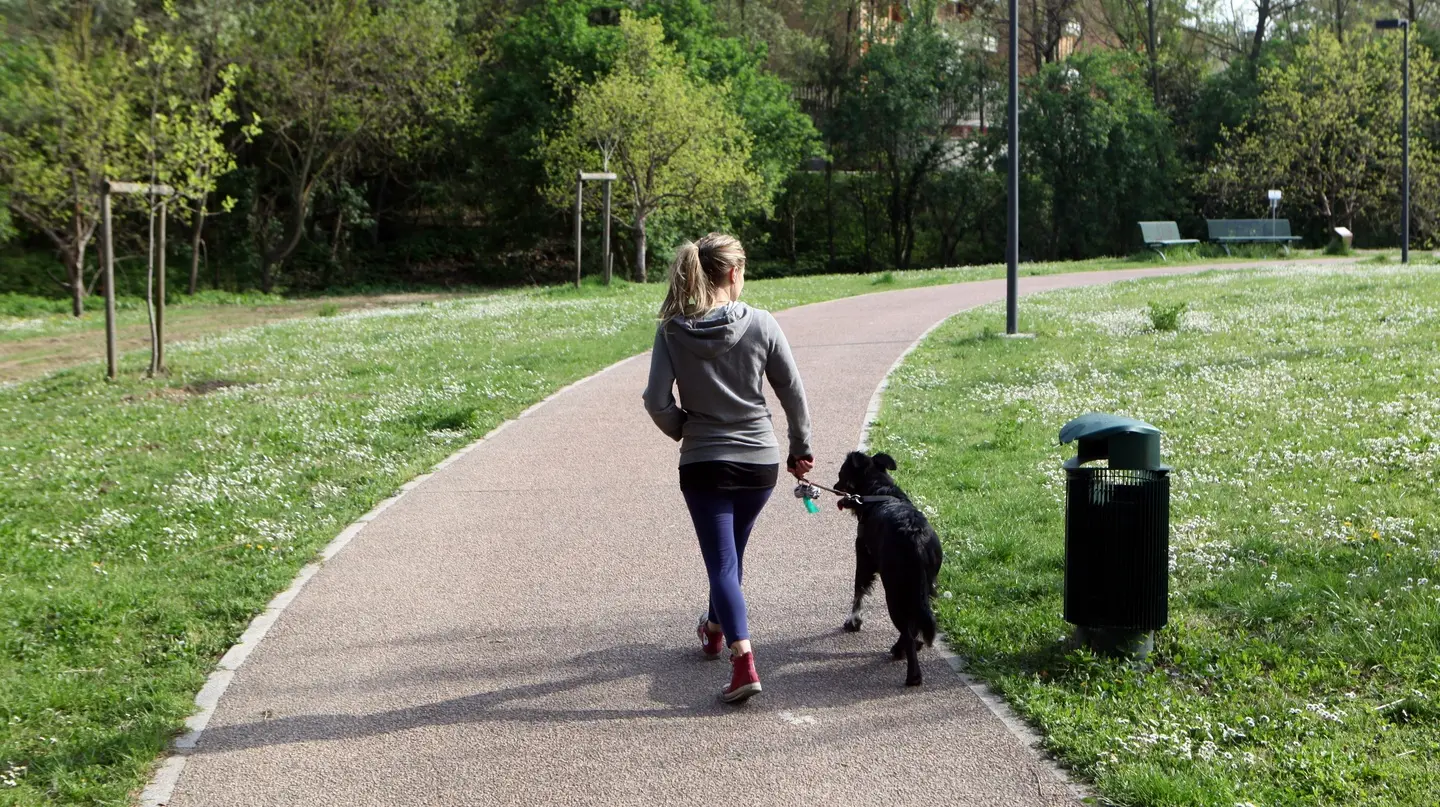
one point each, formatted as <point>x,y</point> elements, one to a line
<point>1012,247</point>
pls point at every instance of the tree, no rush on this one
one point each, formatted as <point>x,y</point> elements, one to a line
<point>1157,29</point>
<point>65,126</point>
<point>211,29</point>
<point>897,115</point>
<point>183,127</point>
<point>335,79</point>
<point>1042,27</point>
<point>1326,131</point>
<point>581,41</point>
<point>677,145</point>
<point>791,51</point>
<point>1095,153</point>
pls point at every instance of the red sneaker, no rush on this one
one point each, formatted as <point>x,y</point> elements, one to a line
<point>710,643</point>
<point>744,681</point>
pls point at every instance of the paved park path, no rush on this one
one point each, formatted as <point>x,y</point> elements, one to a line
<point>519,629</point>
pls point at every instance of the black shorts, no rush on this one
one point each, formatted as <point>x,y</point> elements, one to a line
<point>726,475</point>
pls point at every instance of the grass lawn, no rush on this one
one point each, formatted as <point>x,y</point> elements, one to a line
<point>143,523</point>
<point>38,336</point>
<point>1301,410</point>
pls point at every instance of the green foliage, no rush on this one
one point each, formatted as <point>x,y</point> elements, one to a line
<point>523,101</point>
<point>781,136</point>
<point>184,144</point>
<point>328,310</point>
<point>1097,154</point>
<point>336,82</point>
<point>1326,131</point>
<point>66,118</point>
<point>28,305</point>
<point>679,149</point>
<point>1166,317</point>
<point>896,111</point>
<point>7,226</point>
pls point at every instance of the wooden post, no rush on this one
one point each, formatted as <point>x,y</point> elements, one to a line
<point>607,232</point>
<point>579,201</point>
<point>107,260</point>
<point>160,298</point>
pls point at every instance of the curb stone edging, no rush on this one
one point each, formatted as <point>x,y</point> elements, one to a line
<point>1016,725</point>
<point>166,776</point>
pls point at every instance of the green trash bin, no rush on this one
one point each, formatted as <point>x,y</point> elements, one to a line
<point>1117,534</point>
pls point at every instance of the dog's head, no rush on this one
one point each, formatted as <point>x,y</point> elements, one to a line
<point>865,475</point>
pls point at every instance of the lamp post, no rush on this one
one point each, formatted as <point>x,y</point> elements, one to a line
<point>1403,25</point>
<point>1012,246</point>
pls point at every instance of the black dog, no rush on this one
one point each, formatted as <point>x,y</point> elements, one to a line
<point>895,540</point>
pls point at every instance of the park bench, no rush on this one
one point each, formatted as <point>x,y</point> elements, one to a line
<point>1160,234</point>
<point>1250,231</point>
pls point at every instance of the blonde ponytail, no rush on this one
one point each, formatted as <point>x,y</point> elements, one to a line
<point>697,272</point>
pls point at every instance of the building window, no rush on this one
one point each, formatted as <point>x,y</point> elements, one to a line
<point>1069,38</point>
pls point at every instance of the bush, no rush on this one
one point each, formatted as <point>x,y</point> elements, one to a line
<point>1166,317</point>
<point>26,305</point>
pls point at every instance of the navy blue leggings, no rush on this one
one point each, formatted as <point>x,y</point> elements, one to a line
<point>723,519</point>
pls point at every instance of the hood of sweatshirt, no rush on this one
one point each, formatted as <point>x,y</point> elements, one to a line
<point>713,333</point>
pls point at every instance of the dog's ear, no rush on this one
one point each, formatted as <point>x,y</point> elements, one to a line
<point>885,461</point>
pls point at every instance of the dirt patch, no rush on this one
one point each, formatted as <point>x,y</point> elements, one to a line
<point>31,358</point>
<point>192,390</point>
<point>207,387</point>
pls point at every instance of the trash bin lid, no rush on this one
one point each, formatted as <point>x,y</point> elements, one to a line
<point>1125,442</point>
<point>1096,425</point>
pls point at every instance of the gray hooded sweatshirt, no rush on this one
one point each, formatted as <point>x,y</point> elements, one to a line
<point>718,360</point>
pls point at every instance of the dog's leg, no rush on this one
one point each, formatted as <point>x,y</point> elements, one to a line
<point>913,677</point>
<point>897,650</point>
<point>865,571</point>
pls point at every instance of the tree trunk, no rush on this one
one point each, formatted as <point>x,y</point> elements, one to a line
<point>195,232</point>
<point>896,210</point>
<point>1262,16</point>
<point>75,268</point>
<point>640,276</point>
<point>294,228</point>
<point>336,234</point>
<point>1035,45</point>
<point>1151,44</point>
<point>379,210</point>
<point>830,211</point>
<point>794,252</point>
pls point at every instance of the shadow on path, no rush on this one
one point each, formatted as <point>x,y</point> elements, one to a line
<point>679,682</point>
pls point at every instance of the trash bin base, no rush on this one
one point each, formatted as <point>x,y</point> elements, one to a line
<point>1116,642</point>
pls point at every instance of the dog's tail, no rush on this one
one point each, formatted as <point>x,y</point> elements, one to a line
<point>923,616</point>
<point>927,624</point>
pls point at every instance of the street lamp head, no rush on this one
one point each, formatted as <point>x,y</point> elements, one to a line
<point>1390,25</point>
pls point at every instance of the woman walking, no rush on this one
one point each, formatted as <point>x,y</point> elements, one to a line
<point>717,350</point>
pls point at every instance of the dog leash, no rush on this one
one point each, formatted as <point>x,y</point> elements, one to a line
<point>810,491</point>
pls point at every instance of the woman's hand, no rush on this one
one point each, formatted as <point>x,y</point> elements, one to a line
<point>800,466</point>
